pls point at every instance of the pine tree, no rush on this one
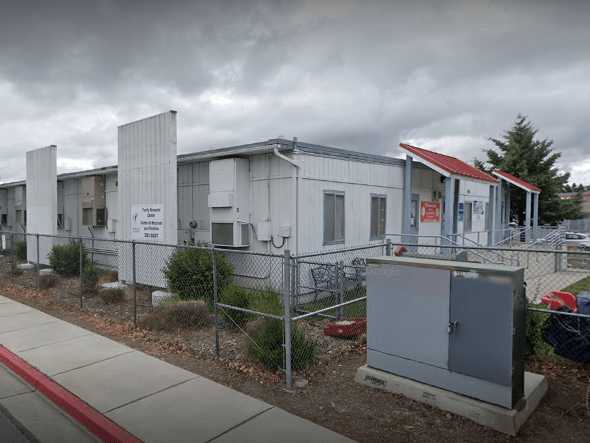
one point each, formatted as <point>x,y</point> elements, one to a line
<point>518,152</point>
<point>572,207</point>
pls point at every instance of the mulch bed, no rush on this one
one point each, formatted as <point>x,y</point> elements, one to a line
<point>327,393</point>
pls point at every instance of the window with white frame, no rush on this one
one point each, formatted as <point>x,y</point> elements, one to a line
<point>468,217</point>
<point>378,217</point>
<point>333,217</point>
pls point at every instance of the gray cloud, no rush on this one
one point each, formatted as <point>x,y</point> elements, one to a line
<point>363,75</point>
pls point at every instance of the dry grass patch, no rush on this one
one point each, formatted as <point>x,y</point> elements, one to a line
<point>47,281</point>
<point>177,315</point>
<point>112,296</point>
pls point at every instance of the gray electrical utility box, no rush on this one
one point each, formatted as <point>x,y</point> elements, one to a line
<point>458,326</point>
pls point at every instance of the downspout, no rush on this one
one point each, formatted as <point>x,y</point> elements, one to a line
<point>297,166</point>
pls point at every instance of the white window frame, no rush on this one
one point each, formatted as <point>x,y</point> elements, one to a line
<point>334,241</point>
<point>382,199</point>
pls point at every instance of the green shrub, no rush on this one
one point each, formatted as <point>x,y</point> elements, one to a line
<point>179,315</point>
<point>89,279</point>
<point>65,259</point>
<point>233,295</point>
<point>112,296</point>
<point>266,346</point>
<point>189,274</point>
<point>536,344</point>
<point>20,249</point>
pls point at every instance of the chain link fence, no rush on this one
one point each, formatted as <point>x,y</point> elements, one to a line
<point>281,312</point>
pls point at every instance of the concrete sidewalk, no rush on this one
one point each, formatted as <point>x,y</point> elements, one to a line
<point>154,400</point>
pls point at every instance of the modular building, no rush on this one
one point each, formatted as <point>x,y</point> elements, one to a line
<point>268,196</point>
<point>284,194</point>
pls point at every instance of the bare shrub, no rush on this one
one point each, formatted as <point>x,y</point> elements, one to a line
<point>112,296</point>
<point>47,281</point>
<point>178,315</point>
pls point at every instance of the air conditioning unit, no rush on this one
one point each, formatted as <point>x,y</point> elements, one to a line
<point>229,202</point>
<point>3,202</point>
<point>93,200</point>
<point>20,199</point>
<point>235,235</point>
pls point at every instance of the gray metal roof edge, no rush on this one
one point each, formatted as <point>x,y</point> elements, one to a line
<point>348,154</point>
<point>253,148</point>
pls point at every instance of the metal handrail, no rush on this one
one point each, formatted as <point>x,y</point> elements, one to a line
<point>503,259</point>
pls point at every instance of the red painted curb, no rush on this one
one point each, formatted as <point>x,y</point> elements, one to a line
<point>99,425</point>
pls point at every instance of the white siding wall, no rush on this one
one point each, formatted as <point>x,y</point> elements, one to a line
<point>193,189</point>
<point>358,180</point>
<point>147,174</point>
<point>424,182</point>
<point>472,191</point>
<point>41,201</point>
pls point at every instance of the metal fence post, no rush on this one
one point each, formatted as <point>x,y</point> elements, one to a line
<point>287,316</point>
<point>340,283</point>
<point>13,260</point>
<point>81,270</point>
<point>37,263</point>
<point>388,247</point>
<point>134,284</point>
<point>215,299</point>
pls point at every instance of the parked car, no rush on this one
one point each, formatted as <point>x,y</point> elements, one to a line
<point>578,239</point>
<point>572,238</point>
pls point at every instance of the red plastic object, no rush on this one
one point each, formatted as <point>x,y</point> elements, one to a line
<point>400,250</point>
<point>98,424</point>
<point>346,328</point>
<point>556,299</point>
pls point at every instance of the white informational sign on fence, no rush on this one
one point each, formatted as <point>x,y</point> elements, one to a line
<point>147,223</point>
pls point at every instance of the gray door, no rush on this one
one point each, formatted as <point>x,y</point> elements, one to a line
<point>408,307</point>
<point>480,328</point>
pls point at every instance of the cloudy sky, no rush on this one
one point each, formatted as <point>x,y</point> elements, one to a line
<point>363,75</point>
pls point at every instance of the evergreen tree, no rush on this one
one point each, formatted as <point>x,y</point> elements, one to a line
<point>518,152</point>
<point>572,207</point>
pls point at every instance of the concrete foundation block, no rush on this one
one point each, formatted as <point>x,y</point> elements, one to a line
<point>113,285</point>
<point>46,271</point>
<point>25,267</point>
<point>158,297</point>
<point>507,421</point>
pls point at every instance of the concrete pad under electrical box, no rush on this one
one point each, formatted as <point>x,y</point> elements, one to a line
<point>158,297</point>
<point>507,421</point>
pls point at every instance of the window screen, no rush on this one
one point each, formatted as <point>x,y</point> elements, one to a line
<point>20,218</point>
<point>101,217</point>
<point>468,217</point>
<point>87,217</point>
<point>333,217</point>
<point>222,234</point>
<point>378,211</point>
<point>4,219</point>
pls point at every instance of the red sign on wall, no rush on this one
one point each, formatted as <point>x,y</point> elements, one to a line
<point>429,212</point>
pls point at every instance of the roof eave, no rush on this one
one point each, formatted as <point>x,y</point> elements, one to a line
<point>515,183</point>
